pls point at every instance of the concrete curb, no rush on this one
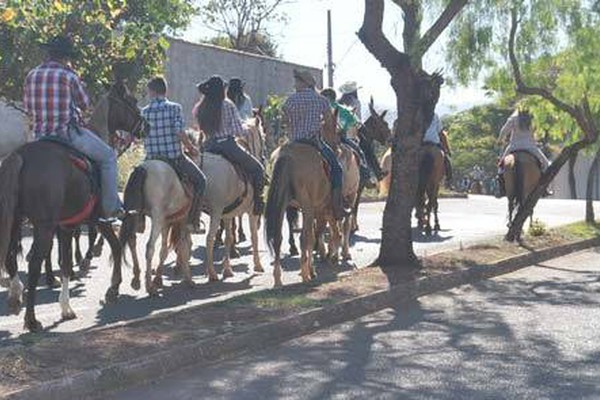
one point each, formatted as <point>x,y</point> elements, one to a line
<point>94,382</point>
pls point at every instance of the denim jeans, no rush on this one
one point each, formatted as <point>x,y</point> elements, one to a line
<point>104,156</point>
<point>365,172</point>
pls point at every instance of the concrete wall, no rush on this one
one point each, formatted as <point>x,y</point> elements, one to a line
<point>189,63</point>
<point>560,185</point>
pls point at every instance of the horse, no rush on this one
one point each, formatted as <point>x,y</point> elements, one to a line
<point>300,179</point>
<point>375,128</point>
<point>254,143</point>
<point>431,173</point>
<point>14,130</point>
<point>228,194</point>
<point>155,190</point>
<point>386,167</point>
<point>42,182</point>
<point>522,173</point>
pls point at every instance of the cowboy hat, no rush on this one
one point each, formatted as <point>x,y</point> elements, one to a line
<point>236,83</point>
<point>60,46</point>
<point>214,84</point>
<point>306,77</point>
<point>349,87</point>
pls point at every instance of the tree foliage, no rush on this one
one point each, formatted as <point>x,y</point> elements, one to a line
<point>122,37</point>
<point>243,24</point>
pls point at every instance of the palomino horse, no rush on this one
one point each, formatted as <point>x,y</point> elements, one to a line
<point>155,190</point>
<point>522,173</point>
<point>227,195</point>
<point>386,167</point>
<point>431,172</point>
<point>300,179</point>
<point>42,183</point>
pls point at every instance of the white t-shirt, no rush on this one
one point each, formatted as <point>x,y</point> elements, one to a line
<point>432,135</point>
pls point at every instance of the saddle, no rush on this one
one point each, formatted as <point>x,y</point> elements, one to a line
<point>90,169</point>
<point>315,145</point>
<point>241,173</point>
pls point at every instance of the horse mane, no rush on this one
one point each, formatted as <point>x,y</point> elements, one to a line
<point>99,119</point>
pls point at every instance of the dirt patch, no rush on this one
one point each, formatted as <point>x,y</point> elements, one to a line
<point>43,357</point>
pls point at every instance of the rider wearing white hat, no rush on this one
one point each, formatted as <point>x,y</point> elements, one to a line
<point>349,91</point>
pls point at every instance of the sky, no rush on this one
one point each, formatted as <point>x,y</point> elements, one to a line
<point>302,39</point>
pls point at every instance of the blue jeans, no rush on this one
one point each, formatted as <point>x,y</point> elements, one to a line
<point>328,154</point>
<point>104,156</point>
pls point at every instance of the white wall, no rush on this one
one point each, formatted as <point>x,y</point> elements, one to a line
<point>560,184</point>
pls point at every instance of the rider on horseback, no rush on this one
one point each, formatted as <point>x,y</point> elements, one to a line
<point>220,120</point>
<point>304,110</point>
<point>517,130</point>
<point>243,102</point>
<point>55,98</point>
<point>347,120</point>
<point>165,139</point>
<point>437,136</point>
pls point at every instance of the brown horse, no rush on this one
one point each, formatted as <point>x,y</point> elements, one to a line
<point>522,173</point>
<point>300,179</point>
<point>41,183</point>
<point>431,173</point>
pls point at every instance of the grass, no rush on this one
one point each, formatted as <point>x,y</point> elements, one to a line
<point>582,230</point>
<point>275,299</point>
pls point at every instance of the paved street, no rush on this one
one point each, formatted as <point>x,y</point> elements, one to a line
<point>532,334</point>
<point>462,220</point>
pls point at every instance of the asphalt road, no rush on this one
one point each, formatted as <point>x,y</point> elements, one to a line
<point>462,220</point>
<point>532,334</point>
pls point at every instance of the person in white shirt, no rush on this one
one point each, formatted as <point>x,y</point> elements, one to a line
<point>436,135</point>
<point>243,102</point>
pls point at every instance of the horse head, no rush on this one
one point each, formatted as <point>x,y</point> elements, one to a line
<point>428,95</point>
<point>329,129</point>
<point>123,112</point>
<point>376,127</point>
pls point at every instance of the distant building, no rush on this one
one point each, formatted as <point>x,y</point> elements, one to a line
<point>189,63</point>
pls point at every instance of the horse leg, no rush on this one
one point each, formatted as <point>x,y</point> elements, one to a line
<point>320,226</point>
<point>215,221</point>
<point>97,247</point>
<point>254,221</point>
<point>51,281</point>
<point>157,282</point>
<point>233,251</point>
<point>347,231</point>
<point>151,289</point>
<point>229,239</point>
<point>219,235</point>
<point>354,224</point>
<point>65,243</point>
<point>15,291</point>
<point>84,265</point>
<point>334,241</point>
<point>135,282</point>
<point>435,214</point>
<point>307,239</point>
<point>76,236</point>
<point>184,253</point>
<point>42,241</point>
<point>115,248</point>
<point>241,234</point>
<point>291,219</point>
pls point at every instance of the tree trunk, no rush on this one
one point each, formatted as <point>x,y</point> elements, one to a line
<point>592,180</point>
<point>516,226</point>
<point>572,180</point>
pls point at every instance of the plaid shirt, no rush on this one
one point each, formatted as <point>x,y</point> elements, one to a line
<point>53,97</point>
<point>231,122</point>
<point>304,110</point>
<point>166,122</point>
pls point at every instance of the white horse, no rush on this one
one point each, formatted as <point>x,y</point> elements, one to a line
<point>227,196</point>
<point>155,190</point>
<point>14,128</point>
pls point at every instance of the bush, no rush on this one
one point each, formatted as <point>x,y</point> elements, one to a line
<point>538,228</point>
<point>127,162</point>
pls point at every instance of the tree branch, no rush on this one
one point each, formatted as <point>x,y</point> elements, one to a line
<point>439,26</point>
<point>375,41</point>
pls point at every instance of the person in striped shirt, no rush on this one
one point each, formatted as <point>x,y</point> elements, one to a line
<point>55,99</point>
<point>220,121</point>
<point>304,111</point>
<point>165,140</point>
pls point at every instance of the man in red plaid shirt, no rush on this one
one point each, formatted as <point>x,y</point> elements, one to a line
<point>55,98</point>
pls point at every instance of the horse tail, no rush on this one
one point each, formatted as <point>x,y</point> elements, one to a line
<point>134,201</point>
<point>10,170</point>
<point>175,234</point>
<point>425,173</point>
<point>280,195</point>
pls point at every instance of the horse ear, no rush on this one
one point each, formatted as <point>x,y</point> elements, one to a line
<point>383,114</point>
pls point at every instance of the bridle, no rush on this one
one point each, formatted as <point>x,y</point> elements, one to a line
<point>139,123</point>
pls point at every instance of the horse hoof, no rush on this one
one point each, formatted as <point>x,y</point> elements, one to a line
<point>437,228</point>
<point>111,295</point>
<point>277,284</point>
<point>242,238</point>
<point>153,292</point>
<point>234,253</point>
<point>213,278</point>
<point>346,257</point>
<point>33,325</point>
<point>177,269</point>
<point>53,282</point>
<point>135,284</point>
<point>293,252</point>
<point>228,273</point>
<point>157,282</point>
<point>187,284</point>
<point>14,306</point>
<point>258,268</point>
<point>68,316</point>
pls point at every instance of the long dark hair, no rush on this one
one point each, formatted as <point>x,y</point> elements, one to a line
<point>525,118</point>
<point>235,92</point>
<point>210,109</point>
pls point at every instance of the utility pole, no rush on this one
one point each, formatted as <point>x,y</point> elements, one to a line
<point>329,51</point>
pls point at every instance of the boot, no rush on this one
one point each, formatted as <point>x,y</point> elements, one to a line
<point>338,204</point>
<point>500,190</point>
<point>194,216</point>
